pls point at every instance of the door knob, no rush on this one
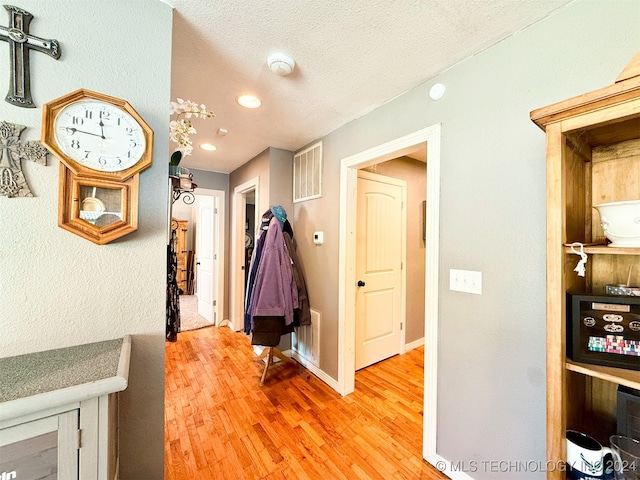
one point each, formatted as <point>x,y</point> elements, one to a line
<point>361,283</point>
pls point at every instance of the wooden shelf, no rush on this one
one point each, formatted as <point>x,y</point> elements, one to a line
<point>621,376</point>
<point>605,250</point>
<point>593,156</point>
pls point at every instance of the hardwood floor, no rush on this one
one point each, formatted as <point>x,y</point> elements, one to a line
<point>221,424</point>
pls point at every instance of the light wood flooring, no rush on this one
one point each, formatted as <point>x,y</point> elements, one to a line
<point>221,424</point>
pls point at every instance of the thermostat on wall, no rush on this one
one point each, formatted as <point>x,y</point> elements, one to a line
<point>318,238</point>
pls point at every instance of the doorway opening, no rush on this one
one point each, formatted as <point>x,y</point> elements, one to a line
<point>205,239</point>
<point>347,266</point>
<point>208,214</point>
<point>244,221</point>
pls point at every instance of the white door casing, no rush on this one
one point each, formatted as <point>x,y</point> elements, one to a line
<point>205,258</point>
<point>347,274</point>
<point>380,256</point>
<point>236,294</point>
<point>215,246</point>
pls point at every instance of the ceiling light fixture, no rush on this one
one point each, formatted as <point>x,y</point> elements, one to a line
<point>281,64</point>
<point>248,101</point>
<point>437,91</point>
<point>208,147</point>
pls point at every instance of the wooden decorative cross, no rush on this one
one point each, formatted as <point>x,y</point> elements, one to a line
<point>12,151</point>
<point>20,42</point>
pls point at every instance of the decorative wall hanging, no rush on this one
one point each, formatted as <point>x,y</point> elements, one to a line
<point>12,151</point>
<point>20,42</point>
<point>103,145</point>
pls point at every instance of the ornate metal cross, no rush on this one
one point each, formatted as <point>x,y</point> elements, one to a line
<point>12,150</point>
<point>20,42</point>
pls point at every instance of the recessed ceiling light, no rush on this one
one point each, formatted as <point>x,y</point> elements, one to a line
<point>249,101</point>
<point>208,147</point>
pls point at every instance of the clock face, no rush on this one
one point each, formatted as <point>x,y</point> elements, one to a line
<point>99,135</point>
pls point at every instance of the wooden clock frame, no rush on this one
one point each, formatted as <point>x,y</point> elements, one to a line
<point>74,176</point>
<point>70,201</point>
<point>51,109</point>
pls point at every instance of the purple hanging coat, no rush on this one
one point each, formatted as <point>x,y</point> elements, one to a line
<point>274,293</point>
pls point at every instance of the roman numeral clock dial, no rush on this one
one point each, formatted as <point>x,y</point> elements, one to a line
<point>103,144</point>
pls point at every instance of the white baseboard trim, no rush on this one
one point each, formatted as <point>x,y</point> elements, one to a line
<point>414,344</point>
<point>453,471</point>
<point>315,370</point>
<point>333,383</point>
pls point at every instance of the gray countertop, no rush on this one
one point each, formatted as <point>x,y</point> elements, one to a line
<point>36,380</point>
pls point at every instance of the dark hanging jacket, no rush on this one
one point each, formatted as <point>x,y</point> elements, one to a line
<point>302,313</point>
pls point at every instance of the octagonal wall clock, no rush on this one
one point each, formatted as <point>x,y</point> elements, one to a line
<point>103,144</point>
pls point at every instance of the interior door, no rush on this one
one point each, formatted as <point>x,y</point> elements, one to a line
<point>206,290</point>
<point>379,244</point>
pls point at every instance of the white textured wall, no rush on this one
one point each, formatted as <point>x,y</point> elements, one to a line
<point>491,358</point>
<point>57,289</point>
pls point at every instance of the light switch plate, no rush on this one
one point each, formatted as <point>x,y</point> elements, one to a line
<point>465,281</point>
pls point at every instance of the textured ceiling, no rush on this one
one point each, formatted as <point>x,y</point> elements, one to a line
<point>351,57</point>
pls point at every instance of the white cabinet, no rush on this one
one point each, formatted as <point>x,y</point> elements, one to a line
<point>45,448</point>
<point>64,433</point>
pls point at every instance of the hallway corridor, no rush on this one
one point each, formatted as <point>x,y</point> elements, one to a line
<point>220,424</point>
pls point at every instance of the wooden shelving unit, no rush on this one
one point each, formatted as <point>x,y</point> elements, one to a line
<point>628,378</point>
<point>181,253</point>
<point>604,250</point>
<point>593,157</point>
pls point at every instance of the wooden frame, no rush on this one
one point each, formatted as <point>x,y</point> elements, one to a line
<point>69,200</point>
<point>51,109</point>
<point>593,156</point>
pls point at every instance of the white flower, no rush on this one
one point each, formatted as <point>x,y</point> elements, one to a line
<point>181,127</point>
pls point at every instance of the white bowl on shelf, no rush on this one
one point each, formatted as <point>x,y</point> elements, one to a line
<point>621,223</point>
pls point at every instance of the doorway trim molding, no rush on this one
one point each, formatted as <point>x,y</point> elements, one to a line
<point>219,195</point>
<point>236,293</point>
<point>347,273</point>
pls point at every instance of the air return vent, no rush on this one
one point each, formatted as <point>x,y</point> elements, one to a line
<point>307,173</point>
<point>306,340</point>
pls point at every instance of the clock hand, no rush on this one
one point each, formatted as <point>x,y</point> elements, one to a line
<point>74,130</point>
<point>101,129</point>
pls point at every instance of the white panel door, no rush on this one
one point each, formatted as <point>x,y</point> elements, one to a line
<point>205,254</point>
<point>378,268</point>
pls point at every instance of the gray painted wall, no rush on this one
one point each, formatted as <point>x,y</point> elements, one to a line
<point>280,180</point>
<point>57,289</point>
<point>211,180</point>
<point>491,359</point>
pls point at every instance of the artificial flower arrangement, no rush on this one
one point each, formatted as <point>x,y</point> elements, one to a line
<point>181,128</point>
